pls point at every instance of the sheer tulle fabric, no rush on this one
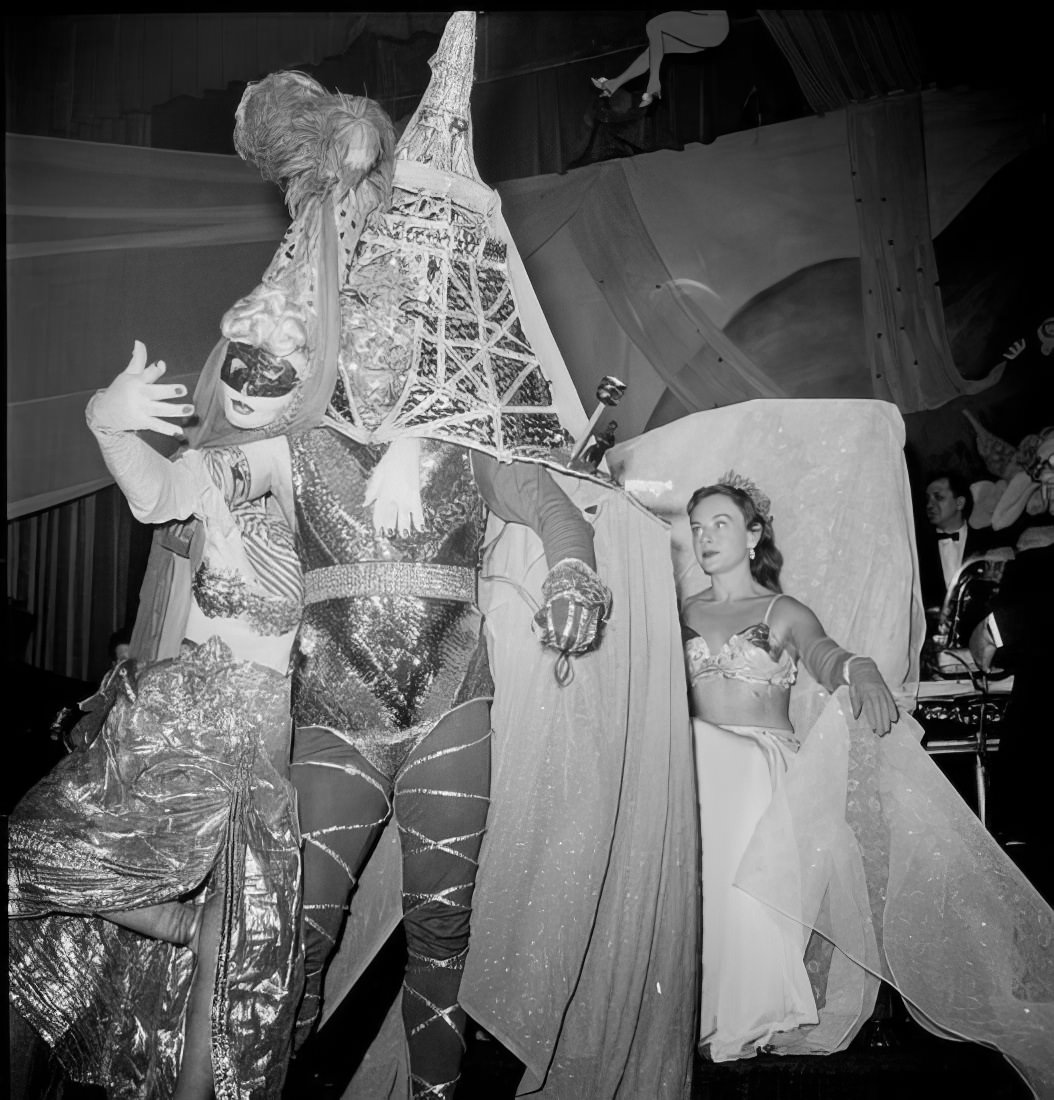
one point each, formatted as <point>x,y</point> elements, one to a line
<point>865,842</point>
<point>586,903</point>
<point>754,982</point>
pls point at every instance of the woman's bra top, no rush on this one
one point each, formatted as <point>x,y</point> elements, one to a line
<point>748,655</point>
<point>271,599</point>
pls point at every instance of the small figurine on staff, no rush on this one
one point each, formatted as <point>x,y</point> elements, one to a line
<point>609,394</point>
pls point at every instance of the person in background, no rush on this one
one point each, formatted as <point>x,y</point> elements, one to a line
<point>670,32</point>
<point>118,678</point>
<point>120,646</point>
<point>1016,637</point>
<point>951,541</point>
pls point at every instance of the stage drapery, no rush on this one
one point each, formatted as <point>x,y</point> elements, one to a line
<point>108,243</point>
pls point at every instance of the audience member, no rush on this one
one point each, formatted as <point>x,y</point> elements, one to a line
<point>952,541</point>
<point>1016,637</point>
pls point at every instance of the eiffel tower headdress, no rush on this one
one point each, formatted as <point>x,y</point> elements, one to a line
<point>432,340</point>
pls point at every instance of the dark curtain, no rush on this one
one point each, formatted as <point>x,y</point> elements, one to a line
<point>76,568</point>
<point>905,340</point>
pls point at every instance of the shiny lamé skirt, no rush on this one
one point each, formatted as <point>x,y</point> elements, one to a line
<point>184,791</point>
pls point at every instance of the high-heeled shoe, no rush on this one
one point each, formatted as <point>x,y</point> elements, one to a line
<point>601,85</point>
<point>649,98</point>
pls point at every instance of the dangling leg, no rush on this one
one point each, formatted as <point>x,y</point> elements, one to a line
<point>195,1068</point>
<point>679,32</point>
<point>637,66</point>
<point>344,803</point>
<point>172,921</point>
<point>441,802</point>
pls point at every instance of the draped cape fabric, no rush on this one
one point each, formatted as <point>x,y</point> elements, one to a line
<point>866,842</point>
<point>586,905</point>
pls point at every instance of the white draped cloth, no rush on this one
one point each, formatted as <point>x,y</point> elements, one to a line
<point>864,841</point>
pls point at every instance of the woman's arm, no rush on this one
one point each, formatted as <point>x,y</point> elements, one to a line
<point>158,490</point>
<point>576,600</point>
<point>524,492</point>
<point>831,666</point>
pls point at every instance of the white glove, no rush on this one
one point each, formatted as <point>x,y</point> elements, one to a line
<point>394,489</point>
<point>134,401</point>
<point>156,490</point>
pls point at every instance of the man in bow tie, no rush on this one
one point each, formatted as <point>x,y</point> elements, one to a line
<point>952,541</point>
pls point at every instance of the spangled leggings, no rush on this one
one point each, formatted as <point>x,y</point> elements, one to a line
<point>440,798</point>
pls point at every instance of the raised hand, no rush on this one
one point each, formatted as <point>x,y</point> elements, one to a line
<point>135,401</point>
<point>1015,349</point>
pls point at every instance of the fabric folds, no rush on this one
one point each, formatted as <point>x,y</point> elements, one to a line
<point>185,781</point>
<point>865,844</point>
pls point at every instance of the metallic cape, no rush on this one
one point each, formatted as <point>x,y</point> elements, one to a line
<point>586,904</point>
<point>185,780</point>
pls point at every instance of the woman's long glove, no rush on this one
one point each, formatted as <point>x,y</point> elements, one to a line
<point>132,402</point>
<point>832,666</point>
<point>577,602</point>
<point>870,695</point>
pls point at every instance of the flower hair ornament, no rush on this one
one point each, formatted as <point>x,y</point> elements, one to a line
<point>762,504</point>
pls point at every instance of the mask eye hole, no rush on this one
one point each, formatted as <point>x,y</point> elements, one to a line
<point>256,373</point>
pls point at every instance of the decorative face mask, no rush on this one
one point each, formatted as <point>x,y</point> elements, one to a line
<point>257,387</point>
<point>254,372</point>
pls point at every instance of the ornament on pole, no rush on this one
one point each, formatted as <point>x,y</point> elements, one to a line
<point>609,394</point>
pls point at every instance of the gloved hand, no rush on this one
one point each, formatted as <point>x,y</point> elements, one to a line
<point>394,489</point>
<point>576,604</point>
<point>156,490</point>
<point>870,696</point>
<point>134,401</point>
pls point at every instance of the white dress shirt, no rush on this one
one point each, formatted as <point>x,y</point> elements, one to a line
<point>951,552</point>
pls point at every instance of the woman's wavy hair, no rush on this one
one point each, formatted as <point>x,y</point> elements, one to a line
<point>767,562</point>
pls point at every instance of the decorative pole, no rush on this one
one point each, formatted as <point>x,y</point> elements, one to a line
<point>609,394</point>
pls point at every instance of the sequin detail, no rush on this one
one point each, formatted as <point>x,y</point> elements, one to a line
<point>225,594</point>
<point>745,656</point>
<point>391,578</point>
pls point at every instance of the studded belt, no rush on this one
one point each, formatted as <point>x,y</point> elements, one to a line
<point>391,578</point>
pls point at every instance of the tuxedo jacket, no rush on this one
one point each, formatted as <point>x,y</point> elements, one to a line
<point>931,575</point>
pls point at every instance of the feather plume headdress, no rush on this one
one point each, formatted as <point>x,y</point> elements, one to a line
<point>311,143</point>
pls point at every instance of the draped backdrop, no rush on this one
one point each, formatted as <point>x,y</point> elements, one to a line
<point>639,265</point>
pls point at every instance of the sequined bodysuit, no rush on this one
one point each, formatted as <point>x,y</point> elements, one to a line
<point>391,636</point>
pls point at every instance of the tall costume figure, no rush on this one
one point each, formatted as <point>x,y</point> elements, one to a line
<point>441,413</point>
<point>184,793</point>
<point>864,846</point>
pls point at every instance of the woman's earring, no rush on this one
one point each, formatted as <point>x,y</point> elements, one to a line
<point>752,553</point>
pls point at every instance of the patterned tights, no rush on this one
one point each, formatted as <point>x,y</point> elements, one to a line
<point>440,798</point>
